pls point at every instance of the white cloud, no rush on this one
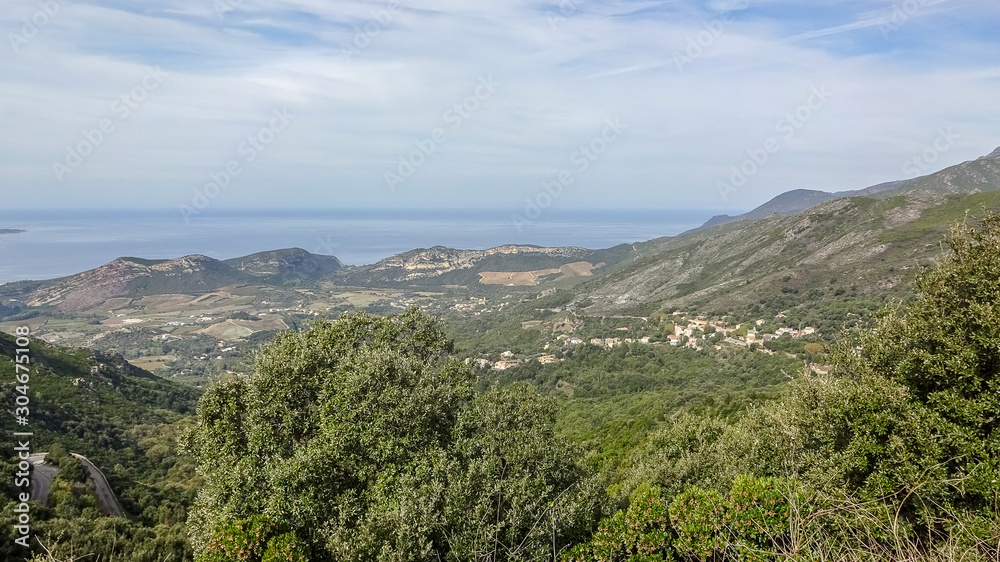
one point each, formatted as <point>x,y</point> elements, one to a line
<point>356,115</point>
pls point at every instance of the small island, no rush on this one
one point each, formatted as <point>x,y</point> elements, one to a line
<point>11,231</point>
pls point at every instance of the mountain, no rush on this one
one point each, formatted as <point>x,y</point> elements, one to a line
<point>286,265</point>
<point>853,246</point>
<point>87,400</point>
<point>433,267</point>
<point>794,201</point>
<point>973,176</point>
<point>126,422</point>
<point>787,203</point>
<point>968,177</point>
<point>439,265</point>
<point>133,277</point>
<point>130,277</point>
<point>804,228</point>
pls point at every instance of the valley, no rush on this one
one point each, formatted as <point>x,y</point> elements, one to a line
<point>827,266</point>
<point>611,281</point>
<point>624,341</point>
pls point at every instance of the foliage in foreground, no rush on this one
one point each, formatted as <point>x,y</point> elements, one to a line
<point>896,454</point>
<point>750,523</point>
<point>368,442</point>
<point>361,440</point>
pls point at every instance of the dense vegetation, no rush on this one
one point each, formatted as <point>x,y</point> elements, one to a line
<point>365,438</point>
<point>126,421</point>
<point>894,455</point>
<point>611,398</point>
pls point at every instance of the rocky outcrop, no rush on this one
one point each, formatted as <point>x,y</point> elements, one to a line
<point>431,262</point>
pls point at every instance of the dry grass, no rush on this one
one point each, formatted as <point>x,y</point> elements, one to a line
<point>852,530</point>
<point>530,278</point>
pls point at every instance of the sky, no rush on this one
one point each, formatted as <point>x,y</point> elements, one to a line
<point>511,104</point>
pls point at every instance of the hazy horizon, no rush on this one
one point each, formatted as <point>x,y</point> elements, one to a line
<point>58,244</point>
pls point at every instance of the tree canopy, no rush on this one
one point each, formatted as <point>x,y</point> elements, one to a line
<point>368,441</point>
<point>896,451</point>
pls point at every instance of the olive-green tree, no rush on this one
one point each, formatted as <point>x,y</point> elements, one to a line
<point>364,437</point>
<point>914,409</point>
<point>898,448</point>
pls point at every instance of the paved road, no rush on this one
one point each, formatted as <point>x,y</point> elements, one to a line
<point>105,497</point>
<point>41,477</point>
<point>43,474</point>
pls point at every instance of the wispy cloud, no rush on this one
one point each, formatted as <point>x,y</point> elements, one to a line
<point>880,19</point>
<point>409,61</point>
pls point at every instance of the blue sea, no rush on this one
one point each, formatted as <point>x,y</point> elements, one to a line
<point>59,243</point>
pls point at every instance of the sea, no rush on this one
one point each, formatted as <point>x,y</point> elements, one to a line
<point>65,242</point>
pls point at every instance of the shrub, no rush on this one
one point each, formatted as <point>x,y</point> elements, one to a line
<point>286,547</point>
<point>244,540</point>
<point>640,533</point>
<point>699,518</point>
<point>369,441</point>
<point>759,513</point>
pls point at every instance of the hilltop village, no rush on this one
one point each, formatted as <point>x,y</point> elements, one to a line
<point>697,333</point>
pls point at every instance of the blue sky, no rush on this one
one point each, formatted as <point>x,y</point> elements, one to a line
<point>447,103</point>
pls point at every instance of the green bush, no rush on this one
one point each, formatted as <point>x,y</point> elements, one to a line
<point>286,547</point>
<point>751,524</point>
<point>244,540</point>
<point>699,518</point>
<point>759,515</point>
<point>640,533</point>
<point>369,441</point>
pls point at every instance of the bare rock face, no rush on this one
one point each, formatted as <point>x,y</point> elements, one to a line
<point>431,262</point>
<point>90,287</point>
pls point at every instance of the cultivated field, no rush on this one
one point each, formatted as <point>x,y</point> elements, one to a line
<point>530,278</point>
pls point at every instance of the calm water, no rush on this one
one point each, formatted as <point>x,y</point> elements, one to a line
<point>64,243</point>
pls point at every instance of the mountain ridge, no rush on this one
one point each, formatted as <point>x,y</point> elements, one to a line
<point>797,200</point>
<point>773,229</point>
<point>130,277</point>
<point>289,263</point>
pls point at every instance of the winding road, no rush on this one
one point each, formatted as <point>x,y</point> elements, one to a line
<point>43,475</point>
<point>105,497</point>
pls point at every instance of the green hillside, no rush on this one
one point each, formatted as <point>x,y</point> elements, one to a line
<point>855,247</point>
<point>125,420</point>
